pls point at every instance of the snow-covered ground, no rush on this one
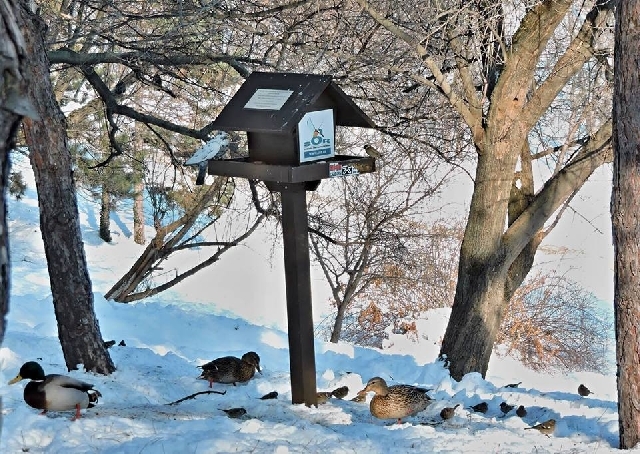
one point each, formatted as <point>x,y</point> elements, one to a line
<point>168,336</point>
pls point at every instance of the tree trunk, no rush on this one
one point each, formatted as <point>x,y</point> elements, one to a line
<point>138,191</point>
<point>13,105</point>
<point>138,214</point>
<point>337,324</point>
<point>494,261</point>
<point>105,215</point>
<point>479,302</point>
<point>625,206</point>
<point>78,328</point>
<point>13,94</point>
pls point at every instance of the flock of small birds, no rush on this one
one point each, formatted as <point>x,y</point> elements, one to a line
<point>547,427</point>
<point>56,392</point>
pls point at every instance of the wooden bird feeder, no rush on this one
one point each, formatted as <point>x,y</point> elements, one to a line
<point>290,122</point>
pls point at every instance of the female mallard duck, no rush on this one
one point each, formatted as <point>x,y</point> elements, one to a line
<point>55,392</point>
<point>230,369</point>
<point>395,402</point>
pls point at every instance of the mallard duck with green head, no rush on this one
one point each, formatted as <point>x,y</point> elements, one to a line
<point>395,402</point>
<point>55,392</point>
<point>230,369</point>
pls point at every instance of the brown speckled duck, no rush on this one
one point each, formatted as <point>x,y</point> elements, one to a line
<point>230,369</point>
<point>397,401</point>
<point>55,392</point>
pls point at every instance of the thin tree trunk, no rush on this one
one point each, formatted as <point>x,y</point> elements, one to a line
<point>625,206</point>
<point>138,195</point>
<point>138,214</point>
<point>105,214</point>
<point>78,328</point>
<point>336,331</point>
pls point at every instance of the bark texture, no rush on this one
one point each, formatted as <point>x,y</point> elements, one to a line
<point>138,214</point>
<point>78,328</point>
<point>625,212</point>
<point>12,97</point>
<point>105,215</point>
<point>13,105</point>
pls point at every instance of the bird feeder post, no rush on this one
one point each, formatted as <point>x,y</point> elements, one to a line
<point>290,122</point>
<point>295,234</point>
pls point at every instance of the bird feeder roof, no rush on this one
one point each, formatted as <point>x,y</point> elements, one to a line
<point>276,102</point>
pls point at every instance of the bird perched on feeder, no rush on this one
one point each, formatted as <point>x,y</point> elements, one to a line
<point>212,149</point>
<point>55,392</point>
<point>583,390</point>
<point>230,369</point>
<point>395,402</point>
<point>372,151</point>
<point>546,427</point>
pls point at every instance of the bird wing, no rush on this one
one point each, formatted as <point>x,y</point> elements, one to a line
<point>65,381</point>
<point>411,389</point>
<point>219,362</point>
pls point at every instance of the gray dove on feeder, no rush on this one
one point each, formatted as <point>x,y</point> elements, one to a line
<point>212,149</point>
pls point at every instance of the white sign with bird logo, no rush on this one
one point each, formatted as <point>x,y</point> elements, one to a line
<point>316,133</point>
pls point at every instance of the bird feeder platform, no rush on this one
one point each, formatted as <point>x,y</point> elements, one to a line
<point>337,166</point>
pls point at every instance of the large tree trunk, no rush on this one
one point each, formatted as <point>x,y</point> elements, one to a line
<point>480,301</point>
<point>78,328</point>
<point>625,206</point>
<point>494,261</point>
<point>13,105</point>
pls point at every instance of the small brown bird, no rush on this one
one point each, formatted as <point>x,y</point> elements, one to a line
<point>341,392</point>
<point>109,344</point>
<point>482,407</point>
<point>584,391</point>
<point>359,398</point>
<point>521,411</point>
<point>338,393</point>
<point>448,412</point>
<point>546,427</point>
<point>371,151</point>
<point>271,395</point>
<point>323,397</point>
<point>505,407</point>
<point>235,412</point>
